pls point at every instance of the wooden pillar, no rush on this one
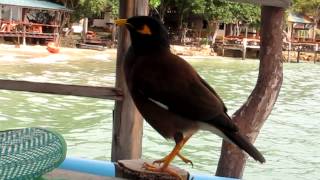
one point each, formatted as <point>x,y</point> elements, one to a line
<point>251,116</point>
<point>298,56</point>
<point>244,48</point>
<point>127,121</point>
<point>289,50</point>
<point>10,14</point>
<point>316,49</point>
<point>246,31</point>
<point>84,29</point>
<point>24,20</point>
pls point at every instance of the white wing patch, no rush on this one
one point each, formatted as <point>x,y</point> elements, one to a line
<point>159,104</point>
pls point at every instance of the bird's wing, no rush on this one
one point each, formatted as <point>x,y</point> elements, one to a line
<point>173,84</point>
<point>212,91</point>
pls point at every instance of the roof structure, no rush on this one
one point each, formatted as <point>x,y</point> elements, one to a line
<point>37,4</point>
<point>298,19</point>
<point>276,3</point>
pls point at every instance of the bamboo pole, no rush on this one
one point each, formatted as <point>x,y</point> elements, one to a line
<point>127,121</point>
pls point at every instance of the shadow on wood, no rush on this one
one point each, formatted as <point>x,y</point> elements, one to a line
<point>133,169</point>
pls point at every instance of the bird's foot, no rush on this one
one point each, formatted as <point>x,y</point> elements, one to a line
<point>160,161</point>
<point>184,159</point>
<point>153,168</point>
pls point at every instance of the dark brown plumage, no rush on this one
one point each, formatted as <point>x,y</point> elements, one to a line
<point>169,93</point>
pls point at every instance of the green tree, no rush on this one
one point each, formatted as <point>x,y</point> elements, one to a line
<point>217,11</point>
<point>246,14</point>
<point>161,6</point>
<point>90,8</point>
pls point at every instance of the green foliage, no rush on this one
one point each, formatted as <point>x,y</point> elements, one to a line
<point>230,12</point>
<point>90,8</point>
<point>214,10</point>
<point>218,10</point>
<point>308,7</point>
<point>246,13</point>
<point>154,3</point>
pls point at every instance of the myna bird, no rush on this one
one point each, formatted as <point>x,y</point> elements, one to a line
<point>170,94</point>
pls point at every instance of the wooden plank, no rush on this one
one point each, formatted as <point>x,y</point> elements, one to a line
<point>90,46</point>
<point>62,89</point>
<point>134,169</point>
<point>60,174</point>
<point>275,3</point>
<point>27,34</point>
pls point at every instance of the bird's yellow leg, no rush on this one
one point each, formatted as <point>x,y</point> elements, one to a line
<point>166,161</point>
<point>184,159</point>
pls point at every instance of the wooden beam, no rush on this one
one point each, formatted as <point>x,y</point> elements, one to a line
<point>127,122</point>
<point>62,89</point>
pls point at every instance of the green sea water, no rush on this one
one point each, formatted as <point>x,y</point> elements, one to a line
<point>289,139</point>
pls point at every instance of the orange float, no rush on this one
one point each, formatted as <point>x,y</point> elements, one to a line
<point>52,48</point>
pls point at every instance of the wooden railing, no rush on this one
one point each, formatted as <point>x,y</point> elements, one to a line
<point>27,29</point>
<point>62,89</point>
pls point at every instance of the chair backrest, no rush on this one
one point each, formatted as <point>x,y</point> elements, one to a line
<point>29,153</point>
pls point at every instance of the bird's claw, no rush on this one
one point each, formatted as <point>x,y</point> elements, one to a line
<point>149,167</point>
<point>152,168</point>
<point>159,161</point>
<point>185,160</point>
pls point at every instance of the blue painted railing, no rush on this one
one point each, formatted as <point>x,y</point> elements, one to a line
<point>104,168</point>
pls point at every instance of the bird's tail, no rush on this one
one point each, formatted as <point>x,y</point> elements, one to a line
<point>241,142</point>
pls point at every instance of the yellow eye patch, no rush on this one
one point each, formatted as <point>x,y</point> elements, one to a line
<point>145,30</point>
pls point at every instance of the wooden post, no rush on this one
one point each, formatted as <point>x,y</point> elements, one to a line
<point>316,49</point>
<point>84,29</point>
<point>298,56</point>
<point>251,116</point>
<point>10,18</point>
<point>244,48</point>
<point>127,122</point>
<point>246,31</point>
<point>24,20</point>
<point>223,45</point>
<point>289,50</point>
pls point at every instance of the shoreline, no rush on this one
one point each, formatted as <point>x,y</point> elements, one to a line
<point>186,52</point>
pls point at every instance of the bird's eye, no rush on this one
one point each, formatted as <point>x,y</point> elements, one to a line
<point>145,30</point>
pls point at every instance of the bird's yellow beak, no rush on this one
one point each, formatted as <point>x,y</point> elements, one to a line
<point>120,22</point>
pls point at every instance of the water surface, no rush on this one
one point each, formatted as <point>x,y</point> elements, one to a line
<point>289,139</point>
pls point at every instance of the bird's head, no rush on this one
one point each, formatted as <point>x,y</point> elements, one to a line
<point>146,33</point>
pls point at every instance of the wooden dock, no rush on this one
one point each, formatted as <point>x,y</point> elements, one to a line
<point>311,47</point>
<point>240,44</point>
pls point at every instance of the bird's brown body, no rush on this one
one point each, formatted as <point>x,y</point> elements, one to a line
<point>170,94</point>
<point>164,84</point>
